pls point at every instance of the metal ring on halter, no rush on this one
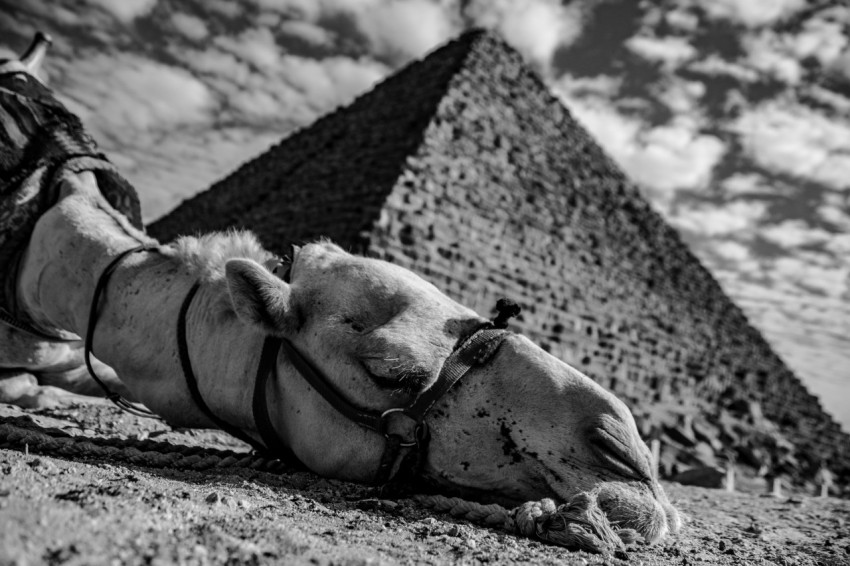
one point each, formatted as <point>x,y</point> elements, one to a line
<point>385,423</point>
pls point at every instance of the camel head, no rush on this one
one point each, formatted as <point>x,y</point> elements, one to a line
<point>522,425</point>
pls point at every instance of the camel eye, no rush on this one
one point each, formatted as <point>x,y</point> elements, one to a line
<point>396,374</point>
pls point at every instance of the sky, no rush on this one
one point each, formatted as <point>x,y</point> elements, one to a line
<point>733,116</point>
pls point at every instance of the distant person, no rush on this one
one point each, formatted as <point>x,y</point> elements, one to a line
<point>824,478</point>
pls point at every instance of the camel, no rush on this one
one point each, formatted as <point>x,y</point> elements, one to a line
<point>363,370</point>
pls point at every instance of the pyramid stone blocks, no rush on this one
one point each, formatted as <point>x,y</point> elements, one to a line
<point>465,169</point>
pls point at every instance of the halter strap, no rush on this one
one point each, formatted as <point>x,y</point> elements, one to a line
<point>192,381</point>
<point>271,443</point>
<point>262,419</point>
<point>476,350</point>
<point>120,401</point>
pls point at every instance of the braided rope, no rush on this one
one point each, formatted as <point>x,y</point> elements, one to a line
<point>19,433</point>
<point>578,524</point>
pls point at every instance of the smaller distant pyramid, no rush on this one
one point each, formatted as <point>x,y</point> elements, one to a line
<point>464,168</point>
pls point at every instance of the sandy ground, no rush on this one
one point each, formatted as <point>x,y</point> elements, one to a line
<point>97,510</point>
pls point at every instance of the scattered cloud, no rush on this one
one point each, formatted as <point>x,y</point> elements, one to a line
<point>732,251</point>
<point>400,31</point>
<point>670,51</point>
<point>535,27</point>
<point>257,47</point>
<point>662,158</point>
<point>794,233</point>
<point>831,281</point>
<point>821,39</point>
<point>739,218</point>
<point>768,53</point>
<point>714,65</point>
<point>125,10</point>
<point>682,19</point>
<point>307,32</point>
<point>788,137</point>
<point>141,94</point>
<point>682,97</point>
<point>190,26</point>
<point>749,184</point>
<point>751,13</point>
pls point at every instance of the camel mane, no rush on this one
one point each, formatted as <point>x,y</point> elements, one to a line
<point>205,255</point>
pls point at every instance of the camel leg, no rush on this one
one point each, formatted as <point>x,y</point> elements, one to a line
<point>77,380</point>
<point>22,389</point>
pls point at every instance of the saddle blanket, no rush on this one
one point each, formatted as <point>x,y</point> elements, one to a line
<point>39,139</point>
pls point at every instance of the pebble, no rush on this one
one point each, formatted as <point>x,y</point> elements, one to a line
<point>471,543</point>
<point>212,497</point>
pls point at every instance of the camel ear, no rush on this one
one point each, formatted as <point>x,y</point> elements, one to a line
<point>258,297</point>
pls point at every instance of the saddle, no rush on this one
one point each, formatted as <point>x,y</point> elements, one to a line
<point>40,140</point>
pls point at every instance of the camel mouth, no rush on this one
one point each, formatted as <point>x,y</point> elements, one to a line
<point>637,508</point>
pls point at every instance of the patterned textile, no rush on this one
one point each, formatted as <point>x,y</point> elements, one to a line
<point>39,139</point>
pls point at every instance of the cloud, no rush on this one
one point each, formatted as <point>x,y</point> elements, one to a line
<point>781,55</point>
<point>787,137</point>
<point>256,47</point>
<point>829,280</point>
<point>126,10</point>
<point>839,244</point>
<point>400,31</point>
<point>534,27</point>
<point>749,184</point>
<point>394,31</point>
<point>834,100</point>
<point>770,54</point>
<point>731,250</point>
<point>682,19</point>
<point>751,13</point>
<point>714,65</point>
<point>307,32</point>
<point>682,97</point>
<point>821,39</point>
<point>329,82</point>
<point>671,51</point>
<point>661,158</point>
<point>793,233</point>
<point>835,214</point>
<point>125,93</point>
<point>190,26</point>
<point>808,331</point>
<point>738,218</point>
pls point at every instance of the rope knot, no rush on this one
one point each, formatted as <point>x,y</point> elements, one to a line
<point>506,310</point>
<point>527,515</point>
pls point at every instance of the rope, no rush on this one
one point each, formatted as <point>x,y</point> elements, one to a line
<point>17,433</point>
<point>578,524</point>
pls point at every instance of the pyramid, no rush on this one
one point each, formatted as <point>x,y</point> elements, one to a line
<point>464,168</point>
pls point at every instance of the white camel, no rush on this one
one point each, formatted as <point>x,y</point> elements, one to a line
<point>518,424</point>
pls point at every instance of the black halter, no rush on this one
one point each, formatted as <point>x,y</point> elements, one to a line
<point>271,443</point>
<point>473,351</point>
<point>99,288</point>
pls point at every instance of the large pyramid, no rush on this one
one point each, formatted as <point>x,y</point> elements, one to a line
<point>464,168</point>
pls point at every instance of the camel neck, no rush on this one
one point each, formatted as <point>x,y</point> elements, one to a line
<point>70,246</point>
<point>136,332</point>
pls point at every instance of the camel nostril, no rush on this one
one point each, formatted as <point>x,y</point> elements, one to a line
<point>620,451</point>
